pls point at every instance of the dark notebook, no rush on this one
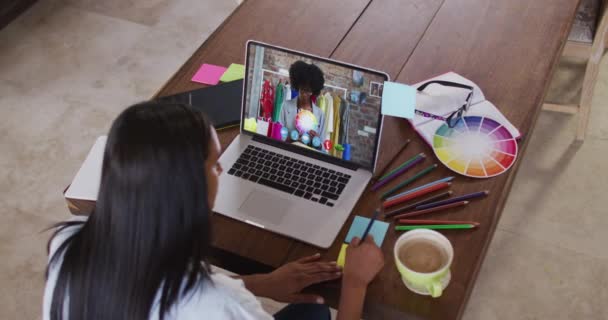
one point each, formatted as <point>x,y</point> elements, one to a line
<point>221,103</point>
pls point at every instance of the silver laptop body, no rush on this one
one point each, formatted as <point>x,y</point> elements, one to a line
<point>254,187</point>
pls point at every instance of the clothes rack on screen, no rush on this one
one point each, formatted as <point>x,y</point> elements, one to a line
<point>333,124</point>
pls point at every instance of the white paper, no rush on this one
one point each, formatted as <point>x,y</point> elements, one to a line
<point>85,185</point>
<point>441,100</point>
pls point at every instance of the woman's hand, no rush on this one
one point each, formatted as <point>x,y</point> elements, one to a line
<point>363,262</point>
<point>285,283</point>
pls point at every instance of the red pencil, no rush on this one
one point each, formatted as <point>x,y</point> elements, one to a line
<point>409,221</point>
<point>431,210</point>
<point>421,192</point>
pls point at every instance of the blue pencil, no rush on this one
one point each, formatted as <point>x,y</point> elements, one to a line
<point>369,225</point>
<point>448,179</point>
<point>452,200</point>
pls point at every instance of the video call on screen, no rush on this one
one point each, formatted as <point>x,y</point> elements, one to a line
<point>313,104</point>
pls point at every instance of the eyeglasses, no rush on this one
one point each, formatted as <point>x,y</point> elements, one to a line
<point>452,119</point>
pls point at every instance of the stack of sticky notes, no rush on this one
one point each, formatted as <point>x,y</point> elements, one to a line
<point>212,74</point>
<point>209,74</point>
<point>378,231</point>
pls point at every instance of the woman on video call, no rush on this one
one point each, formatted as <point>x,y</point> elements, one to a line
<point>308,80</point>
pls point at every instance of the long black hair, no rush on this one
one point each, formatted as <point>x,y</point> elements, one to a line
<point>150,230</point>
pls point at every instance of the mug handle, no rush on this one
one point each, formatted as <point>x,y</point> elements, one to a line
<point>435,289</point>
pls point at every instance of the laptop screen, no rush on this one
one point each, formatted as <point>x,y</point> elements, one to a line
<point>321,105</point>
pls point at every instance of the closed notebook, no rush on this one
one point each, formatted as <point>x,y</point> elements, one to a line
<point>221,103</point>
<point>442,100</point>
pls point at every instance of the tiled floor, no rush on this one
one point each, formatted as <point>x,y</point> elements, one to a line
<point>68,67</point>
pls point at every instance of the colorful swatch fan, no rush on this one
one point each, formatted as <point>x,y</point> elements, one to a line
<point>477,147</point>
<point>306,121</point>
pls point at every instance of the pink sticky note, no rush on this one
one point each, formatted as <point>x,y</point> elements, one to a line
<point>209,74</point>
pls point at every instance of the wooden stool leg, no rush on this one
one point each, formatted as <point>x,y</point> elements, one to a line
<point>597,50</point>
<point>586,97</point>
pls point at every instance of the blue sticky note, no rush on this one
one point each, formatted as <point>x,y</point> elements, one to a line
<point>398,100</point>
<point>359,225</point>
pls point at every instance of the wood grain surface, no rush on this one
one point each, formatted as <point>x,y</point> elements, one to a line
<point>509,48</point>
<point>315,26</point>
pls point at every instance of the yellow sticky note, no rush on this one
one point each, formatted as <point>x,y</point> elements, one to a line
<point>251,124</point>
<point>342,256</point>
<point>234,72</point>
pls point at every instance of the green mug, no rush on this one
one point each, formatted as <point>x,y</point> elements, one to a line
<point>425,283</point>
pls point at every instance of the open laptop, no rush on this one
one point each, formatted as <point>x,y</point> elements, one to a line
<point>298,168</point>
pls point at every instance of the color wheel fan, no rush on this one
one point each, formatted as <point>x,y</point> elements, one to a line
<point>477,147</point>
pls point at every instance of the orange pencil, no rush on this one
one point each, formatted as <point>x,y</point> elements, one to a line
<point>413,195</point>
<point>431,210</point>
<point>409,221</point>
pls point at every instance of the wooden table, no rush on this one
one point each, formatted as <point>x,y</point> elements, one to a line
<point>509,48</point>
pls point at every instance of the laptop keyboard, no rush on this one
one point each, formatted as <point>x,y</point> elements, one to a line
<point>297,177</point>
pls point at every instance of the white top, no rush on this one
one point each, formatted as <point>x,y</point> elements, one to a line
<point>226,299</point>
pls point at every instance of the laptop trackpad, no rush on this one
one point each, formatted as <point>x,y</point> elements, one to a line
<point>265,207</point>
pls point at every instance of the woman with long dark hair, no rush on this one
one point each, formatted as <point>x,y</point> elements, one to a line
<point>142,253</point>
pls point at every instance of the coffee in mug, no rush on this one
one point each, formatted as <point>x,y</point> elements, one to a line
<point>423,258</point>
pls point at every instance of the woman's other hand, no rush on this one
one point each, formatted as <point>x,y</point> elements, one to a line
<point>285,283</point>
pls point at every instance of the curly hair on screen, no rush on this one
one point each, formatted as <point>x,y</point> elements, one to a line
<point>302,74</point>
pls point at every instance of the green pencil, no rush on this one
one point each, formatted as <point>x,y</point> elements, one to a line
<point>401,166</point>
<point>435,227</point>
<point>409,180</point>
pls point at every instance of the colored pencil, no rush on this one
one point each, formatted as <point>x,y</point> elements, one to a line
<point>401,170</point>
<point>410,222</point>
<point>446,179</point>
<point>369,225</point>
<point>436,227</point>
<point>431,210</point>
<point>456,199</point>
<point>421,202</point>
<point>411,179</point>
<point>382,174</point>
<point>413,195</point>
<point>399,167</point>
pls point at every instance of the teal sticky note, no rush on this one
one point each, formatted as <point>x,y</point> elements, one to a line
<point>398,100</point>
<point>359,225</point>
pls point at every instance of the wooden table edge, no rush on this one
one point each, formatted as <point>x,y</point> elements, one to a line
<point>511,178</point>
